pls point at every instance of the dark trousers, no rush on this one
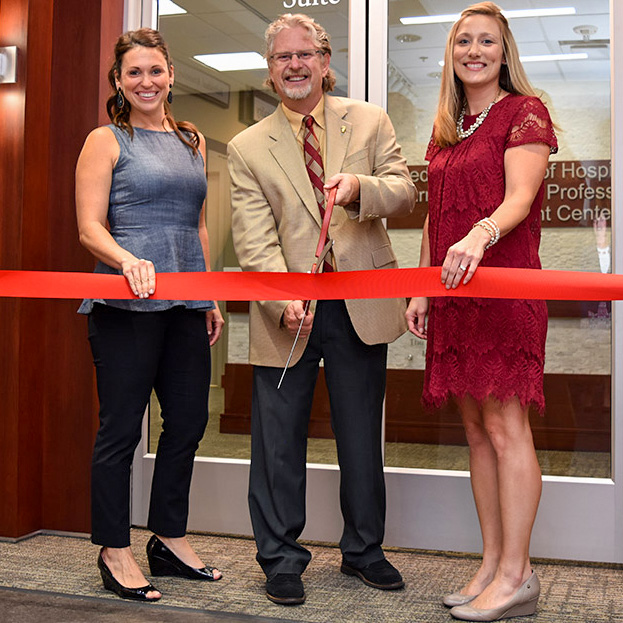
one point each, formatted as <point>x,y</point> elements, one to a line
<point>134,352</point>
<point>355,374</point>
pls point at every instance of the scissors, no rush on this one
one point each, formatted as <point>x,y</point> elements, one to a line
<point>323,248</point>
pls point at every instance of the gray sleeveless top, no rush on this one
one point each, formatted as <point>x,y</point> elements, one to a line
<point>157,191</point>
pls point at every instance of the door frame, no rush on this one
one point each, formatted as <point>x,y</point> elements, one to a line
<point>578,519</point>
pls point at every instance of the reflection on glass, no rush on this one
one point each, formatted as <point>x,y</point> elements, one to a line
<point>222,104</point>
<point>573,438</point>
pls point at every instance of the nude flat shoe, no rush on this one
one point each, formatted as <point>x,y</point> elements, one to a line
<point>457,599</point>
<point>522,603</point>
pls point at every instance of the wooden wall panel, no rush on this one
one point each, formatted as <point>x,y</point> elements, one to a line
<point>236,418</point>
<point>111,28</point>
<point>11,127</point>
<point>20,484</point>
<point>34,246</point>
<point>47,390</point>
<point>75,110</point>
<point>577,416</point>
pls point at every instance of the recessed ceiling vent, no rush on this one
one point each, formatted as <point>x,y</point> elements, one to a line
<point>595,48</point>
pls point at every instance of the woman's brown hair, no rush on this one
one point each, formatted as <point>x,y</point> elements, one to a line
<point>120,116</point>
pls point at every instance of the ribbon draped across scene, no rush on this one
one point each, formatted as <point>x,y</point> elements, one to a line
<point>488,282</point>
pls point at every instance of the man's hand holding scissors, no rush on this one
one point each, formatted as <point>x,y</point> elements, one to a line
<point>292,316</point>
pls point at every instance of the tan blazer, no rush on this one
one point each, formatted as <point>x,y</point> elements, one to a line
<point>276,222</point>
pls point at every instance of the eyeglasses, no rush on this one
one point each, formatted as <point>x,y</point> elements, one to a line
<point>283,58</point>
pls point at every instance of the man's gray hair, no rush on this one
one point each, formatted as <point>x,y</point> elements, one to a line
<point>316,32</point>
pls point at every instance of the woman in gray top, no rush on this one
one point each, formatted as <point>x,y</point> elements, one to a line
<point>140,193</point>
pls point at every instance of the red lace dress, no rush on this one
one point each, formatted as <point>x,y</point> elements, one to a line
<point>486,347</point>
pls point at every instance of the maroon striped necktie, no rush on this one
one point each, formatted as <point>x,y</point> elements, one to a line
<point>315,168</point>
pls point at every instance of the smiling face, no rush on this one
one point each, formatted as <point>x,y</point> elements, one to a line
<point>477,52</point>
<point>144,80</point>
<point>298,83</point>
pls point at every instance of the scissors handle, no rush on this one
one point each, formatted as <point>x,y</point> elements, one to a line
<point>324,232</point>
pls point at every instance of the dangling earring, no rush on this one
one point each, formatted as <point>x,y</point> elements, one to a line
<point>170,95</point>
<point>120,99</point>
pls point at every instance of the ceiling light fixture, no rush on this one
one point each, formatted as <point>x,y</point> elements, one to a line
<point>554,57</point>
<point>408,38</point>
<point>581,56</point>
<point>166,7</point>
<point>235,61</point>
<point>452,17</point>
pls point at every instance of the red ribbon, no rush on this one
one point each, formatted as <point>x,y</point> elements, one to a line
<point>515,283</point>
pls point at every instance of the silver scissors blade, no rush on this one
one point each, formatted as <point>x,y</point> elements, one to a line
<point>315,268</point>
<point>296,339</point>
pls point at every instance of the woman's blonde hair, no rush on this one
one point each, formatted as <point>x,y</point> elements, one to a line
<point>513,78</point>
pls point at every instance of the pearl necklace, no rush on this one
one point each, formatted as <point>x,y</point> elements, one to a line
<point>463,134</point>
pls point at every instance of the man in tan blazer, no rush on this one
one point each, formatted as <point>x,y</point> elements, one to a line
<point>276,225</point>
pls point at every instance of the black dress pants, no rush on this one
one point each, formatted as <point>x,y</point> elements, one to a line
<point>355,374</point>
<point>134,352</point>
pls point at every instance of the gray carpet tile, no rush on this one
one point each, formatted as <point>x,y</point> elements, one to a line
<point>571,593</point>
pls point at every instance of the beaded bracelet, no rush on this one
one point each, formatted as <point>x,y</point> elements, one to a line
<point>495,227</point>
<point>488,229</point>
<point>491,227</point>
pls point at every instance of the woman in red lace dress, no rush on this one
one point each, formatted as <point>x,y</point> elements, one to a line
<point>487,161</point>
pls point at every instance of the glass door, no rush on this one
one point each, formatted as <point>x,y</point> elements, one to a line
<point>222,102</point>
<point>568,59</point>
<point>395,65</point>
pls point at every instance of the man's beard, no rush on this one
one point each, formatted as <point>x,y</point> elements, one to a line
<point>296,93</point>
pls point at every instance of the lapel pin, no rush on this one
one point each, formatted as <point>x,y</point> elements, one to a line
<point>343,129</point>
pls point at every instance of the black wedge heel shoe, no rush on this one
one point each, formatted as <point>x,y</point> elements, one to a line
<point>111,584</point>
<point>162,561</point>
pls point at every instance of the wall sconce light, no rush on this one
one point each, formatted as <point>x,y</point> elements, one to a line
<point>8,64</point>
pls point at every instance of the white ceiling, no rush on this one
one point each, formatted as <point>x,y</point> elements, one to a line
<point>213,26</point>
<point>533,35</point>
<point>216,26</point>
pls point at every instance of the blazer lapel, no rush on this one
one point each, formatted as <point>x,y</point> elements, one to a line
<point>339,131</point>
<point>286,152</point>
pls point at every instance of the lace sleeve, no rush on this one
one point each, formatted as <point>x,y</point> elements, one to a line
<point>532,124</point>
<point>431,150</point>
